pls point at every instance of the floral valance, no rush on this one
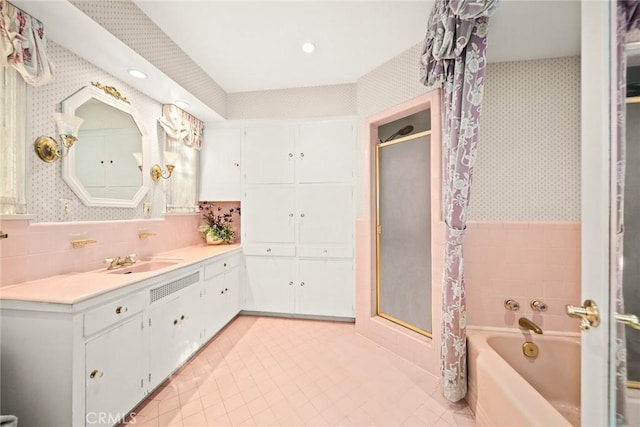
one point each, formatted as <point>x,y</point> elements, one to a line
<point>182,126</point>
<point>23,45</point>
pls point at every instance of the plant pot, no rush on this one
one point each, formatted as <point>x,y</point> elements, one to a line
<point>213,240</point>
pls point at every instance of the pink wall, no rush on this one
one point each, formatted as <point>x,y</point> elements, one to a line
<point>36,251</point>
<point>522,261</point>
<point>225,206</point>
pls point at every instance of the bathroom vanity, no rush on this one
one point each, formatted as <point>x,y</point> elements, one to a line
<point>86,348</point>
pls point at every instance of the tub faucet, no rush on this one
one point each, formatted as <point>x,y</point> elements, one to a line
<point>528,324</point>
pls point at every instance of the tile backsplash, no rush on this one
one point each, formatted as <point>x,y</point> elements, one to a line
<point>39,250</point>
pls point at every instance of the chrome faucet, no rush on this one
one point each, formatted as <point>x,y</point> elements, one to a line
<point>528,324</point>
<point>118,262</point>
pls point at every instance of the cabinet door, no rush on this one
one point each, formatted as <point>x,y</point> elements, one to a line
<point>268,214</point>
<point>116,364</point>
<point>163,336</point>
<point>325,287</point>
<point>268,154</point>
<point>175,332</point>
<point>231,295</point>
<point>270,284</point>
<point>212,306</point>
<point>324,152</point>
<point>325,214</point>
<point>220,164</point>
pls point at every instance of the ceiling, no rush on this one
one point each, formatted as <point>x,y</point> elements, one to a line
<point>256,45</point>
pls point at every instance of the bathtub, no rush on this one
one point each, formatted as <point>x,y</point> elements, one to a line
<point>507,388</point>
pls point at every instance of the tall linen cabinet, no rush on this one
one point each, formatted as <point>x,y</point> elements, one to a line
<point>298,217</point>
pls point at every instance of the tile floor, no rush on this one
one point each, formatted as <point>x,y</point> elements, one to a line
<point>262,371</point>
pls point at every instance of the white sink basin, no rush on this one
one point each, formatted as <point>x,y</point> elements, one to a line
<point>141,268</point>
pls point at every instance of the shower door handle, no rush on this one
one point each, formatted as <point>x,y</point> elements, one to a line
<point>628,319</point>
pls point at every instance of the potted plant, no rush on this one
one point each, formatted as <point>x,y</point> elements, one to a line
<point>217,227</point>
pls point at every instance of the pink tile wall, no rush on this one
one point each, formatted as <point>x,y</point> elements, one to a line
<point>225,206</point>
<point>522,261</point>
<point>36,251</point>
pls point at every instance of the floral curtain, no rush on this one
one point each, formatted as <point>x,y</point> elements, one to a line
<point>184,135</point>
<point>454,57</point>
<point>628,19</point>
<point>23,45</point>
<point>182,126</point>
<point>12,142</point>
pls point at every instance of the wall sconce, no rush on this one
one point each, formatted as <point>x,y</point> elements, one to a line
<point>48,148</point>
<point>157,172</point>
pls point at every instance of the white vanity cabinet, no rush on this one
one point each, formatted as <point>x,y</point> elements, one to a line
<point>220,294</point>
<point>92,361</point>
<point>116,365</point>
<point>174,325</point>
<point>220,163</point>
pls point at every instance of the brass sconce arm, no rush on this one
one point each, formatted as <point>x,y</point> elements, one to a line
<point>157,172</point>
<point>48,148</point>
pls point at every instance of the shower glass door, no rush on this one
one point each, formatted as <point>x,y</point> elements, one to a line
<point>403,180</point>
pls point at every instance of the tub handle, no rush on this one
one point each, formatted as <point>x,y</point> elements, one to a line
<point>588,314</point>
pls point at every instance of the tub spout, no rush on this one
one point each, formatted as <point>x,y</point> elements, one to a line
<point>528,324</point>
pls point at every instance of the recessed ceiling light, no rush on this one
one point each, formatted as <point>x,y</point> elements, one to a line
<point>308,47</point>
<point>137,74</point>
<point>181,104</point>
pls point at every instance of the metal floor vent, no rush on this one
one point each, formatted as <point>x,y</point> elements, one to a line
<point>173,287</point>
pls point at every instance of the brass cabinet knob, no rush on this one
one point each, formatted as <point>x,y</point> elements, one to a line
<point>268,249</point>
<point>290,154</point>
<point>175,322</point>
<point>302,215</point>
<point>225,264</point>
<point>291,283</point>
<point>95,374</point>
<point>121,309</point>
<point>301,283</point>
<point>301,155</point>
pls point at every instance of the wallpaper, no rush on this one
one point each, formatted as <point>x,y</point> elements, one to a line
<point>126,21</point>
<point>528,165</point>
<point>318,101</point>
<point>47,191</point>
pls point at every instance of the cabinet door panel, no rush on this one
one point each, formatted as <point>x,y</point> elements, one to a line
<point>325,287</point>
<point>231,300</point>
<point>324,214</point>
<point>324,152</point>
<point>120,358</point>
<point>212,306</point>
<point>163,334</point>
<point>268,155</point>
<point>220,164</point>
<point>269,214</point>
<point>270,284</point>
<point>189,326</point>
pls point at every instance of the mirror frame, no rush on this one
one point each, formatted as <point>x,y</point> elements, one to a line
<point>69,106</point>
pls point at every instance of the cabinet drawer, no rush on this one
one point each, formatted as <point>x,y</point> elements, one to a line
<point>113,312</point>
<point>220,266</point>
<point>267,250</point>
<point>325,251</point>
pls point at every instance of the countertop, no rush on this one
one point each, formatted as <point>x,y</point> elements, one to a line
<point>72,288</point>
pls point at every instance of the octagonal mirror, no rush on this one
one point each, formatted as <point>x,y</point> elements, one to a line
<point>102,167</point>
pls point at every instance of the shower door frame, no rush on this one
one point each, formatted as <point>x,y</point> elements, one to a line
<point>379,311</point>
